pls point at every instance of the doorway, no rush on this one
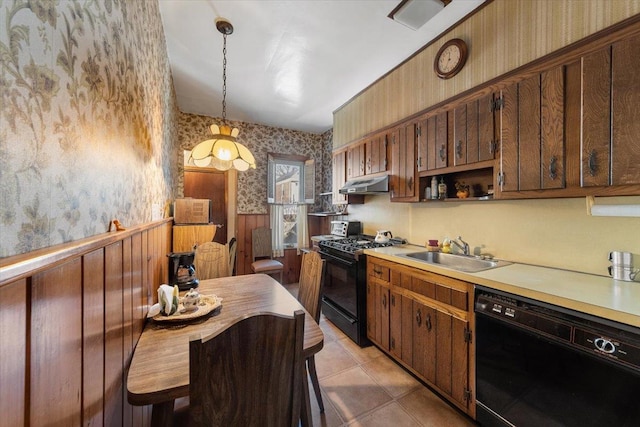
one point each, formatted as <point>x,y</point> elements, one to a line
<point>210,184</point>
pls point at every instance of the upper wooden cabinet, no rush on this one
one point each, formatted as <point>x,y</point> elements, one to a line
<point>356,160</point>
<point>376,154</point>
<point>610,145</point>
<point>532,133</point>
<point>404,184</point>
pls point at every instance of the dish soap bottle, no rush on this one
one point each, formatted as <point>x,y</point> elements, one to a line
<point>434,188</point>
<point>442,189</point>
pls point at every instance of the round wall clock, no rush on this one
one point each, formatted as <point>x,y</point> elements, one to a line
<point>450,58</point>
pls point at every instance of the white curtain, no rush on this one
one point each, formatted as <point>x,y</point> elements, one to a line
<point>303,229</point>
<point>276,218</point>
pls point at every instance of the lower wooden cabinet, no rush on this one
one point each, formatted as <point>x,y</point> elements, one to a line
<point>422,320</point>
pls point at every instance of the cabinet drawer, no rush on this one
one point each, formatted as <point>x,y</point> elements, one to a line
<point>378,271</point>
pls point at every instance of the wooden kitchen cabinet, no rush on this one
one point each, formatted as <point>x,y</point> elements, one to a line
<point>533,133</point>
<point>422,320</point>
<point>356,160</point>
<point>404,173</point>
<point>376,154</point>
<point>610,147</point>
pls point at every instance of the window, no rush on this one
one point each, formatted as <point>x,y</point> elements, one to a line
<point>290,184</point>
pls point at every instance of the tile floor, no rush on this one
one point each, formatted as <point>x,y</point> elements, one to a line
<point>364,387</point>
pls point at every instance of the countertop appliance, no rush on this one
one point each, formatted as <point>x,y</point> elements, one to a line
<point>344,293</point>
<point>339,230</point>
<point>182,271</point>
<point>538,364</point>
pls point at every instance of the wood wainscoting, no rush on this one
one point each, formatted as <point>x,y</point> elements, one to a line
<point>246,223</point>
<point>70,318</point>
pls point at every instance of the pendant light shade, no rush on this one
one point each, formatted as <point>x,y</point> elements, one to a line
<point>223,152</point>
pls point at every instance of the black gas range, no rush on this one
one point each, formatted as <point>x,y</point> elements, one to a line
<point>344,296</point>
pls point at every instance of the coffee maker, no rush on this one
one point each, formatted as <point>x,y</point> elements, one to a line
<point>182,271</point>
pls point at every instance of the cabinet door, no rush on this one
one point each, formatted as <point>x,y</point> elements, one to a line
<point>376,154</point>
<point>395,324</point>
<point>528,141</point>
<point>441,140</point>
<point>431,142</point>
<point>596,113</point>
<point>339,177</point>
<point>404,171</point>
<point>422,135</point>
<point>486,128</point>
<point>356,160</point>
<point>509,139</point>
<point>452,368</point>
<point>372,308</point>
<point>552,129</point>
<point>460,135</point>
<point>382,316</point>
<point>625,144</point>
<point>424,341</point>
<point>473,135</point>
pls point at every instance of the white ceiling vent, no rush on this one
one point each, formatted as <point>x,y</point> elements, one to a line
<point>415,13</point>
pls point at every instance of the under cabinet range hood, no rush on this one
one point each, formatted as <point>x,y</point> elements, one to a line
<point>366,186</point>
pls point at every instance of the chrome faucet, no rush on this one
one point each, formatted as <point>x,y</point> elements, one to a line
<point>463,246</point>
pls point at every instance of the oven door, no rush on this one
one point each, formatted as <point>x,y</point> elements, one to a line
<point>344,296</point>
<point>340,285</point>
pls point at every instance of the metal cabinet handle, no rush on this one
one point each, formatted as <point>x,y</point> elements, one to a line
<point>593,163</point>
<point>393,300</point>
<point>442,152</point>
<point>419,317</point>
<point>459,149</point>
<point>492,147</point>
<point>428,322</point>
<point>384,300</point>
<point>393,343</point>
<point>553,167</point>
<point>410,183</point>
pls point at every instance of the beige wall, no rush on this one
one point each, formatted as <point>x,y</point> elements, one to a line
<point>551,232</point>
<point>504,35</point>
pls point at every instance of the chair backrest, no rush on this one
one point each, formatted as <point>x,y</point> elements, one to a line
<point>311,280</point>
<point>211,260</point>
<point>261,243</point>
<point>249,374</point>
<point>233,249</point>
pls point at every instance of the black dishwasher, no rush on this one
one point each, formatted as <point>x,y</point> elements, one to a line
<point>543,365</point>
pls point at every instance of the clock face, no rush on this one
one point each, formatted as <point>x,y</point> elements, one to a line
<point>450,58</point>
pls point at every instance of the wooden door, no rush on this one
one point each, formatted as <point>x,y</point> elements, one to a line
<point>395,324</point>
<point>431,142</point>
<point>486,128</point>
<point>473,147</point>
<point>422,134</point>
<point>404,170</point>
<point>382,316</point>
<point>596,113</point>
<point>509,139</point>
<point>212,185</point>
<point>625,143</point>
<point>376,154</point>
<point>355,160</point>
<point>441,140</point>
<point>372,308</point>
<point>552,129</point>
<point>528,140</point>
<point>460,135</point>
<point>424,341</point>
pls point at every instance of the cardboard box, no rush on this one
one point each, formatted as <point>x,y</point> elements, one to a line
<point>191,211</point>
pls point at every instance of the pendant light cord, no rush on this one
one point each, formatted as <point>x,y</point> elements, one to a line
<point>224,79</point>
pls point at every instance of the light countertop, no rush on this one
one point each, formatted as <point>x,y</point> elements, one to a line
<point>596,295</point>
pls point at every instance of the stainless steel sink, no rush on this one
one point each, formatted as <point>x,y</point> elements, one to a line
<point>468,264</point>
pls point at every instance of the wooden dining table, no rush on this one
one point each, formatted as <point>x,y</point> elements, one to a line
<point>159,370</point>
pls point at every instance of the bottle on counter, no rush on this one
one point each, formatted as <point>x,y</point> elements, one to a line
<point>442,189</point>
<point>434,187</point>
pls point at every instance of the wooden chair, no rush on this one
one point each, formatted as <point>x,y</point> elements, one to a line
<point>249,374</point>
<point>261,251</point>
<point>310,295</point>
<point>233,249</point>
<point>211,260</point>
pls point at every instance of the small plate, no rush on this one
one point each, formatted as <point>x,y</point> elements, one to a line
<point>207,304</point>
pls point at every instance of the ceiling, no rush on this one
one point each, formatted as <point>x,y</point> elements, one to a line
<point>290,64</point>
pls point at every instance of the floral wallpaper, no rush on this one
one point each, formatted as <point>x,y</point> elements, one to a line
<point>260,140</point>
<point>88,119</point>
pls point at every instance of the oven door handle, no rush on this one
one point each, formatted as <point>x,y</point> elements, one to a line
<point>348,263</point>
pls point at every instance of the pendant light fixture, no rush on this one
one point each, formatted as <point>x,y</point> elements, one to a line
<point>223,152</point>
